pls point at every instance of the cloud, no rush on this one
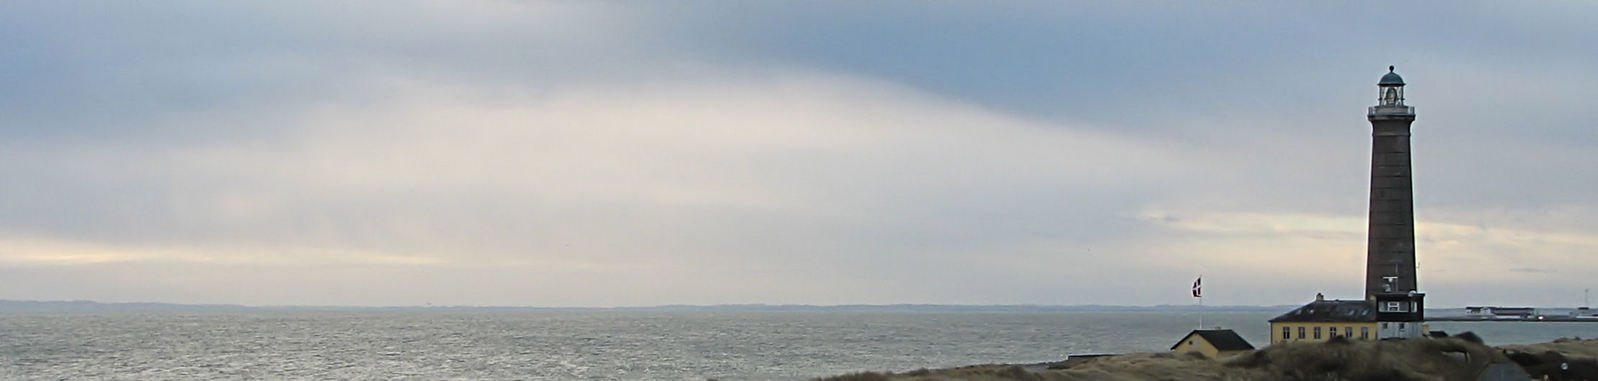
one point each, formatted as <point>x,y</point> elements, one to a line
<point>599,154</point>
<point>806,173</point>
<point>1458,263</point>
<point>45,252</point>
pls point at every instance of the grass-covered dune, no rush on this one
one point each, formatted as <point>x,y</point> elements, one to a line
<point>1443,359</point>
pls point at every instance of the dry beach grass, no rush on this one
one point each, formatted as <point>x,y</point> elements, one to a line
<point>1400,360</point>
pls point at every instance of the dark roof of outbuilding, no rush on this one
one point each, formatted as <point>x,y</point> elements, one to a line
<point>1222,339</point>
<point>1331,311</point>
<point>1391,79</point>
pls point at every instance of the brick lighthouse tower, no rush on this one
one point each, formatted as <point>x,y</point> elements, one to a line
<point>1390,250</point>
<point>1393,306</point>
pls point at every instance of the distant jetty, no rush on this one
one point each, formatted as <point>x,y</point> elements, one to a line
<point>1528,319</point>
<point>1520,314</point>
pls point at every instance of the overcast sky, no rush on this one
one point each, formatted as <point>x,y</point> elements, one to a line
<point>572,153</point>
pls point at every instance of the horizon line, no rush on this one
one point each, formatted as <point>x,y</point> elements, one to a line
<point>671,306</point>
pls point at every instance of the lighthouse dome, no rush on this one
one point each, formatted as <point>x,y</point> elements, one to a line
<point>1391,79</point>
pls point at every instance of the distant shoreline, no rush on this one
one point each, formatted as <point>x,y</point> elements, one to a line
<point>84,305</point>
<point>11,304</point>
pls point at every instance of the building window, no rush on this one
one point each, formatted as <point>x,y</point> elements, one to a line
<point>1365,332</point>
<point>1301,333</point>
<point>1348,331</point>
<point>1384,325</point>
<point>1287,333</point>
<point>1190,343</point>
<point>1331,332</point>
<point>1400,325</point>
<point>1317,333</point>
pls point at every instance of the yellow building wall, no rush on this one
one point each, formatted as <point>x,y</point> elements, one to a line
<point>1196,343</point>
<point>1294,329</point>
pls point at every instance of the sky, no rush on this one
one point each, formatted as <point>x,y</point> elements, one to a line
<point>596,153</point>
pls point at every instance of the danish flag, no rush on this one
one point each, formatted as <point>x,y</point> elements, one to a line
<point>1198,287</point>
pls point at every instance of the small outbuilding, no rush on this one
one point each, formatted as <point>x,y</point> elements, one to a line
<point>1213,343</point>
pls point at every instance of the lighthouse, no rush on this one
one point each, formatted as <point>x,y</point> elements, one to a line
<point>1393,306</point>
<point>1390,242</point>
<point>1390,246</point>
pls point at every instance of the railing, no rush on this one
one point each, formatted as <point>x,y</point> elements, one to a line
<point>1391,110</point>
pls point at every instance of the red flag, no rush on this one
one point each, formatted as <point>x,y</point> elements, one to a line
<point>1198,288</point>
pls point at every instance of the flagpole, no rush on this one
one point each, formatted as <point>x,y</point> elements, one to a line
<point>1198,292</point>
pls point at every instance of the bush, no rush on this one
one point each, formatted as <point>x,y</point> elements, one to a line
<point>862,376</point>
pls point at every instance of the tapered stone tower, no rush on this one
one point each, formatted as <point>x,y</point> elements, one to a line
<point>1390,250</point>
<point>1393,307</point>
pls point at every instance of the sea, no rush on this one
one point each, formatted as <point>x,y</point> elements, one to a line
<point>599,345</point>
